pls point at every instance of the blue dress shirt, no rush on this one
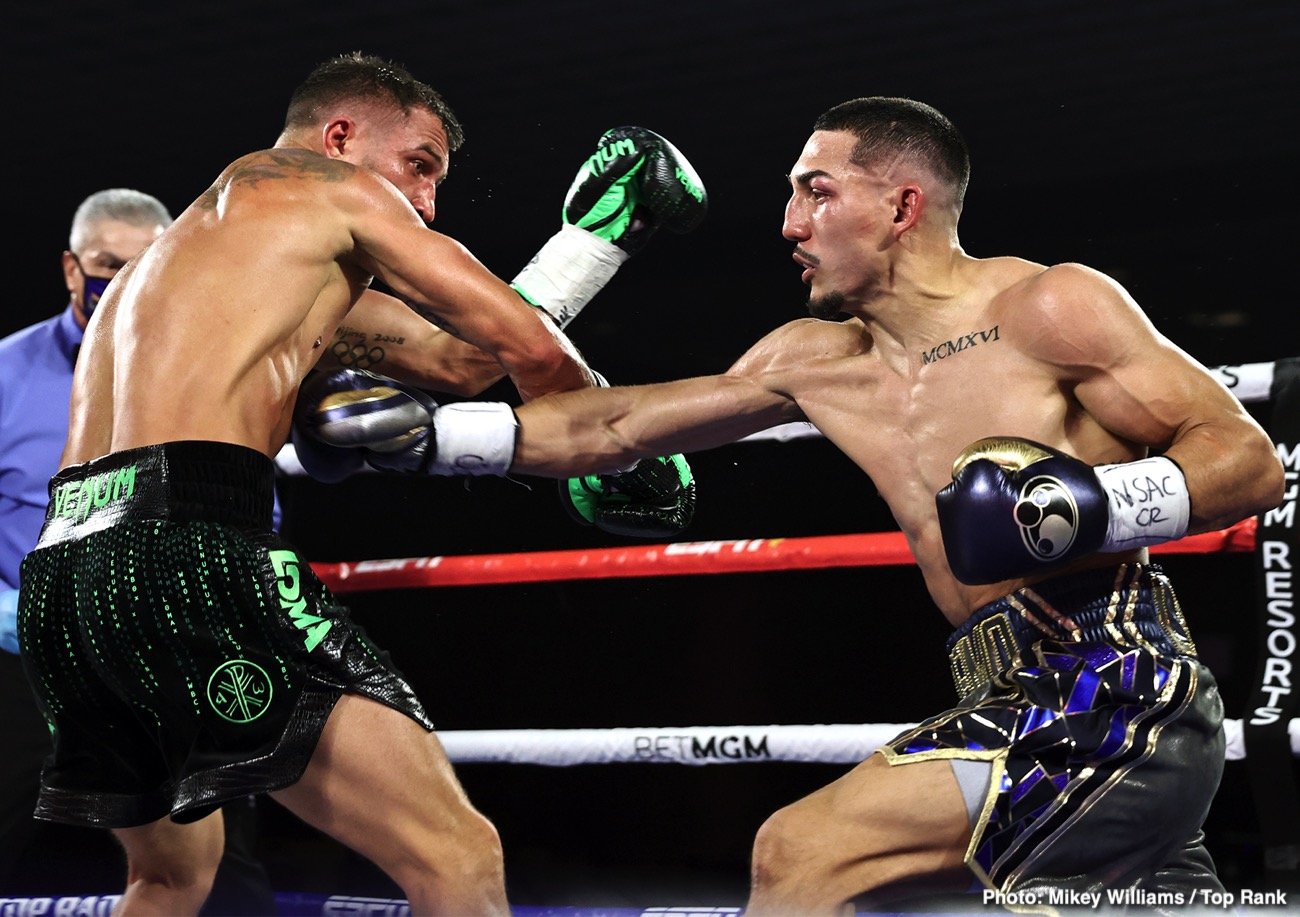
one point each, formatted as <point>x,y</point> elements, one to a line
<point>35,387</point>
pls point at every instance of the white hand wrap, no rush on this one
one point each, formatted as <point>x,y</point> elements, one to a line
<point>474,437</point>
<point>567,272</point>
<point>1149,503</point>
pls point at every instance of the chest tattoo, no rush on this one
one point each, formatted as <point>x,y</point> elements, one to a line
<point>957,345</point>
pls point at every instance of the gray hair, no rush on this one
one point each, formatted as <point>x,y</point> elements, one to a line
<point>126,205</point>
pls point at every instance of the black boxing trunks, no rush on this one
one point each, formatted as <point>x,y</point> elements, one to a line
<point>1103,732</point>
<point>183,653</point>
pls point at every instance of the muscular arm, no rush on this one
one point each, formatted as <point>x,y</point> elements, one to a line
<point>1141,387</point>
<point>599,429</point>
<point>383,335</point>
<point>443,282</point>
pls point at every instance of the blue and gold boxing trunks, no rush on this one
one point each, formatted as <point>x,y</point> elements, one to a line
<point>1101,728</point>
<point>183,653</point>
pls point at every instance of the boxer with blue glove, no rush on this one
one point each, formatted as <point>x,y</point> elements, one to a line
<point>1085,744</point>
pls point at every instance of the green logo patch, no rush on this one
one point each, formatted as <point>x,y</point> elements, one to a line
<point>239,690</point>
<point>288,583</point>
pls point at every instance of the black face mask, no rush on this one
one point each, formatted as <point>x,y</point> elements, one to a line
<point>92,288</point>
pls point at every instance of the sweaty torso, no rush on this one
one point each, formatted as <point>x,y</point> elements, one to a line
<point>207,334</point>
<point>903,414</point>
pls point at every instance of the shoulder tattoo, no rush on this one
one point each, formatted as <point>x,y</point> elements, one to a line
<point>208,199</point>
<point>282,164</point>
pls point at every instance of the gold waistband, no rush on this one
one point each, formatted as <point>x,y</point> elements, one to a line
<point>1132,606</point>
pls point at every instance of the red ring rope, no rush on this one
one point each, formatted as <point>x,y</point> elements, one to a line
<point>755,555</point>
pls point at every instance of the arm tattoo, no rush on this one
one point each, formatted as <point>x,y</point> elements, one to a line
<point>359,349</point>
<point>435,319</point>
<point>357,354</point>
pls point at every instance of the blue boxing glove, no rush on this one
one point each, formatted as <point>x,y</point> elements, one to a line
<point>635,183</point>
<point>351,417</point>
<point>1017,508</point>
<point>9,620</point>
<point>323,461</point>
<point>654,499</point>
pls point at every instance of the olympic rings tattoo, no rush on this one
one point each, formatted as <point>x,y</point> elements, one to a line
<point>357,355</point>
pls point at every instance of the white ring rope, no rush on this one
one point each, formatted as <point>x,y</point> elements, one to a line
<point>700,745</point>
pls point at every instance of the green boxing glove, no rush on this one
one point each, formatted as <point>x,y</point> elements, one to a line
<point>656,499</point>
<point>635,183</point>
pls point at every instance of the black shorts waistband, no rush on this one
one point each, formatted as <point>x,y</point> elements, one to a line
<point>1128,606</point>
<point>182,481</point>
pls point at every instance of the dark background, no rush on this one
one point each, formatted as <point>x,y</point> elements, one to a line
<point>1154,141</point>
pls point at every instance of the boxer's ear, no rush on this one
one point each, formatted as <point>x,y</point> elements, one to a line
<point>337,136</point>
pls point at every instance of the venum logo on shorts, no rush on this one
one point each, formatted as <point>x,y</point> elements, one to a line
<point>1047,516</point>
<point>76,499</point>
<point>288,583</point>
<point>239,690</point>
